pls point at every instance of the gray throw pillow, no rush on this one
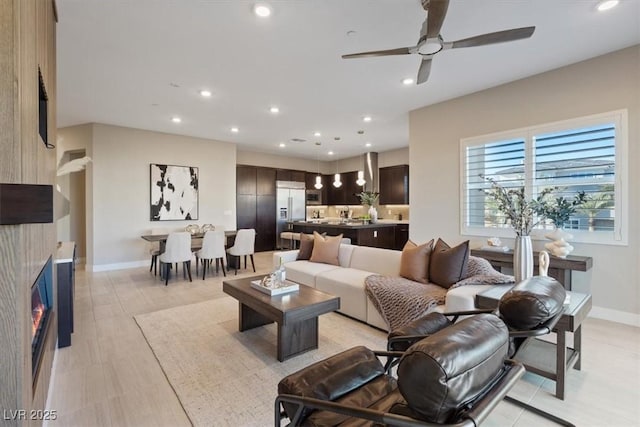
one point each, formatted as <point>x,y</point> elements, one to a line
<point>306,246</point>
<point>448,264</point>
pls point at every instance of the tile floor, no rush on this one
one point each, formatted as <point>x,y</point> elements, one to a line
<point>110,377</point>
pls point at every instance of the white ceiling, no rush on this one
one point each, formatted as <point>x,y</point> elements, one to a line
<point>119,59</point>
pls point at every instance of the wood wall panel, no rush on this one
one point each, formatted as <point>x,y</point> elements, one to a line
<point>9,146</point>
<point>27,38</point>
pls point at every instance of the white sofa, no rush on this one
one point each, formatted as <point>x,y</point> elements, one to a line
<point>347,280</point>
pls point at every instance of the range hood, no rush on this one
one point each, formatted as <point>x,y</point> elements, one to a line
<point>371,173</point>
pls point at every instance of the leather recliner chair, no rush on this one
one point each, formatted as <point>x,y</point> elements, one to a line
<point>454,377</point>
<point>529,309</point>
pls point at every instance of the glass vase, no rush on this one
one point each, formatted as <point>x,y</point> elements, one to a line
<point>523,258</point>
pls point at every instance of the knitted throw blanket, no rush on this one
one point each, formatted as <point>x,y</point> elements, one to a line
<point>400,301</point>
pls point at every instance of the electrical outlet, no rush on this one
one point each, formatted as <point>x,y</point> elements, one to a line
<point>389,211</point>
<point>375,233</point>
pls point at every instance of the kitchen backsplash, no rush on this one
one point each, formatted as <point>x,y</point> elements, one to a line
<point>397,212</point>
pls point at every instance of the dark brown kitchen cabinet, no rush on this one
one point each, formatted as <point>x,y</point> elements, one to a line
<point>246,179</point>
<point>351,189</point>
<point>256,203</point>
<point>335,196</point>
<point>266,182</point>
<point>265,223</point>
<point>394,185</point>
<point>347,193</point>
<point>310,180</point>
<point>246,211</point>
<point>377,238</point>
<point>290,175</point>
<point>298,176</point>
<point>402,235</point>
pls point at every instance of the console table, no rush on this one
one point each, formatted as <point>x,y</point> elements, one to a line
<point>559,268</point>
<point>537,355</point>
<point>65,266</point>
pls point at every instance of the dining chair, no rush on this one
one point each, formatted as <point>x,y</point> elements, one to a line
<point>244,245</point>
<point>155,251</point>
<point>212,248</point>
<point>177,249</point>
<point>196,242</point>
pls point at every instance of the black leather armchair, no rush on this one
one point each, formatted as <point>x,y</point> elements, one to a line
<point>454,377</point>
<point>530,309</point>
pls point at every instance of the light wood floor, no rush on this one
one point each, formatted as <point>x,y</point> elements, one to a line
<point>110,377</point>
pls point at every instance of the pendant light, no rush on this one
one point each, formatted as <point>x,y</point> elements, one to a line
<point>336,178</point>
<point>360,181</point>
<point>318,184</point>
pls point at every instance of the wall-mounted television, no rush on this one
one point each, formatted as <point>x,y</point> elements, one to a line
<point>43,101</point>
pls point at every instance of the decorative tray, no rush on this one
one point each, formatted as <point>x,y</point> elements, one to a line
<point>286,288</point>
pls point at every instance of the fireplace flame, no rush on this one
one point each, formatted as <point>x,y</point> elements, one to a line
<point>36,315</point>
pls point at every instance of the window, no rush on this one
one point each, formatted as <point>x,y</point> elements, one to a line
<point>586,154</point>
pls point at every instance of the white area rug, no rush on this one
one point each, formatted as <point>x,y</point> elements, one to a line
<point>226,377</point>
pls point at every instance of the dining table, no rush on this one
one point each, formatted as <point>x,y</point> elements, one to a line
<point>230,236</point>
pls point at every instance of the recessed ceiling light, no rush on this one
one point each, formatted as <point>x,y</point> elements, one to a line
<point>282,145</point>
<point>330,153</point>
<point>407,81</point>
<point>176,119</point>
<point>368,144</point>
<point>235,129</point>
<point>274,110</point>
<point>366,119</point>
<point>317,134</point>
<point>262,10</point>
<point>205,93</point>
<point>607,4</point>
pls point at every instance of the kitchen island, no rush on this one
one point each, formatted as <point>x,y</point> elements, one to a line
<point>379,235</point>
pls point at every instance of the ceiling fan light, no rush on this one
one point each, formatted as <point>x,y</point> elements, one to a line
<point>318,184</point>
<point>336,181</point>
<point>360,181</point>
<point>607,4</point>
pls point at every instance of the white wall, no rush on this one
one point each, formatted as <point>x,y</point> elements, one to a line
<point>255,158</point>
<point>605,83</point>
<point>386,158</point>
<point>118,189</point>
<point>72,143</point>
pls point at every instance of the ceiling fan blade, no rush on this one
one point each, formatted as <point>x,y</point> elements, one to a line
<point>436,11</point>
<point>424,70</point>
<point>492,38</point>
<point>399,51</point>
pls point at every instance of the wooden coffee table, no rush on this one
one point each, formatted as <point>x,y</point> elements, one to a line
<point>296,313</point>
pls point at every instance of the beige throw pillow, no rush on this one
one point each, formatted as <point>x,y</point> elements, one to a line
<point>325,249</point>
<point>447,264</point>
<point>414,262</point>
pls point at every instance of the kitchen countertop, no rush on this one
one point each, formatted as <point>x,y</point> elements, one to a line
<point>343,225</point>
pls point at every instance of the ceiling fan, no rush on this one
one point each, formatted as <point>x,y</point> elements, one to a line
<point>431,41</point>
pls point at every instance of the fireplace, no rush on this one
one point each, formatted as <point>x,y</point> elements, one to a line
<point>41,314</point>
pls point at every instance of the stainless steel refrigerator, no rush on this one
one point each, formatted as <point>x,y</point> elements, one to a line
<point>290,206</point>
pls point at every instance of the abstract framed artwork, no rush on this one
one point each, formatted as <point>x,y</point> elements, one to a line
<point>174,192</point>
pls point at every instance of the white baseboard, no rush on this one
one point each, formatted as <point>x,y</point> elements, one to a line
<point>624,317</point>
<point>118,266</point>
